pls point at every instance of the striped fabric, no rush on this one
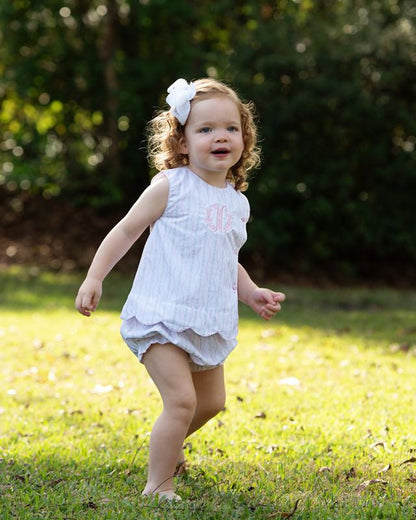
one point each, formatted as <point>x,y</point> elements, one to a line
<point>187,276</point>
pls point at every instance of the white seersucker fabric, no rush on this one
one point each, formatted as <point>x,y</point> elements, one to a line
<point>187,276</point>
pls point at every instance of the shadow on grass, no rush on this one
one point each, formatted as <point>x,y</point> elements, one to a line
<point>382,315</point>
<point>388,315</point>
<point>32,289</point>
<point>52,487</point>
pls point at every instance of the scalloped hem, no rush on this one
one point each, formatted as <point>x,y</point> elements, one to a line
<point>134,318</point>
<point>205,352</point>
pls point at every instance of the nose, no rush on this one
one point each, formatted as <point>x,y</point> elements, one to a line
<point>221,137</point>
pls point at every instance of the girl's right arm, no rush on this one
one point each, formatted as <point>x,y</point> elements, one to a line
<point>148,208</point>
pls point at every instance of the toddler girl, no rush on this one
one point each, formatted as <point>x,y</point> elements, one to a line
<point>181,316</point>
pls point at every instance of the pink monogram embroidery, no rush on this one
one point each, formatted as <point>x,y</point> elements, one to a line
<point>218,219</point>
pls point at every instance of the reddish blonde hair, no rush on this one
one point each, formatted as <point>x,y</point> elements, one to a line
<point>165,134</point>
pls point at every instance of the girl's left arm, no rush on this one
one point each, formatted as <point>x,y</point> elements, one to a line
<point>263,301</point>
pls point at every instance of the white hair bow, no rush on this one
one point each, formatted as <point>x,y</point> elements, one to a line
<point>180,94</point>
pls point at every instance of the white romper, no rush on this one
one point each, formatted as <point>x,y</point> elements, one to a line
<point>185,288</point>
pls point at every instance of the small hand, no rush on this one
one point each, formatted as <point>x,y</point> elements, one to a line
<point>88,296</point>
<point>266,303</point>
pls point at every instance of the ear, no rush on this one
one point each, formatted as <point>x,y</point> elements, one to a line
<point>183,147</point>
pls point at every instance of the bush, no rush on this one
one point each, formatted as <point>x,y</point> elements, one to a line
<point>335,92</point>
<point>334,82</point>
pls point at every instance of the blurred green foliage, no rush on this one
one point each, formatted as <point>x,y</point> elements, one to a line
<point>334,82</point>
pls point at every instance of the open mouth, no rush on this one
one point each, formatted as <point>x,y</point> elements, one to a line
<point>221,151</point>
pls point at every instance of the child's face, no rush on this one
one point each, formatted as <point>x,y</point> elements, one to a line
<point>213,138</point>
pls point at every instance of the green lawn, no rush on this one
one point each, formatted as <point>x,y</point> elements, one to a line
<point>320,410</point>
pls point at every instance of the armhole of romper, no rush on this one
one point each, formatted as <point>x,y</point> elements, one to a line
<point>247,209</point>
<point>163,173</point>
<point>158,176</point>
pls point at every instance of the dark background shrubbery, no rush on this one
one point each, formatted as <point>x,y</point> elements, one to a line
<point>334,83</point>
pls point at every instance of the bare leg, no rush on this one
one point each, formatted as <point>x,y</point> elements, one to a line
<point>210,396</point>
<point>168,366</point>
<point>210,399</point>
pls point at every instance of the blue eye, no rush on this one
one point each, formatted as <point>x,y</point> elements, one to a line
<point>205,130</point>
<point>233,129</point>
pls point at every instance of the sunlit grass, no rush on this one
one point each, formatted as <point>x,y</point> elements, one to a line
<point>320,410</point>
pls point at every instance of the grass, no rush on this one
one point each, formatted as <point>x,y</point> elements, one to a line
<point>320,410</point>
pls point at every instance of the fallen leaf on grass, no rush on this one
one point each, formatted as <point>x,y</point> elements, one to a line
<point>411,479</point>
<point>364,485</point>
<point>267,333</point>
<point>133,411</point>
<point>283,514</point>
<point>408,461</point>
<point>324,469</point>
<point>104,501</point>
<point>219,451</point>
<point>289,381</point>
<point>55,482</point>
<point>378,445</point>
<point>102,389</point>
<point>350,473</point>
<point>385,469</point>
<point>260,415</point>
<point>90,505</point>
<point>253,386</point>
<point>272,448</point>
<point>400,347</point>
<point>76,412</point>
<point>38,343</point>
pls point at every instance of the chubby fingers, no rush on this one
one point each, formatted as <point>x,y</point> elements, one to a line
<point>84,304</point>
<point>273,305</point>
<point>269,310</point>
<point>279,296</point>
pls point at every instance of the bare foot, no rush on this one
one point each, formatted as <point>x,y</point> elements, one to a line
<point>169,495</point>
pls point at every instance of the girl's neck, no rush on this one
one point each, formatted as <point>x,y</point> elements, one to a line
<point>215,180</point>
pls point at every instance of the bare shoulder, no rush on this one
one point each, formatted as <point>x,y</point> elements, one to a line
<point>154,199</point>
<point>157,192</point>
<point>157,189</point>
<point>148,208</point>
<point>161,176</point>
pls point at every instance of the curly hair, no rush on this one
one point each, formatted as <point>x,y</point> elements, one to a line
<point>165,134</point>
